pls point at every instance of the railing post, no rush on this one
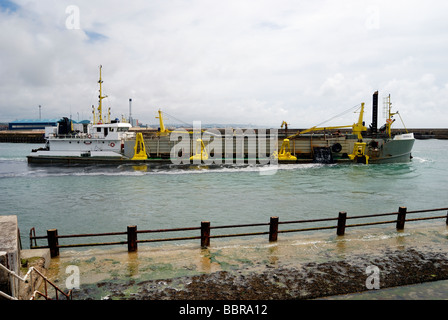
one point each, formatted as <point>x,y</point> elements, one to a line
<point>132,238</point>
<point>205,234</point>
<point>273,229</point>
<point>53,243</point>
<point>341,223</point>
<point>447,218</point>
<point>401,218</point>
<point>32,236</point>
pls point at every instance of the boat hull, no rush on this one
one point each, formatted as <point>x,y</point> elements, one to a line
<point>394,151</point>
<point>160,151</point>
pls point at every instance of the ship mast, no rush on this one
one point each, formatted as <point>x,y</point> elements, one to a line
<point>101,97</point>
<point>389,115</point>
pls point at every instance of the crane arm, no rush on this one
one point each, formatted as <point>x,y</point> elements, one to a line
<point>357,127</point>
<point>317,129</point>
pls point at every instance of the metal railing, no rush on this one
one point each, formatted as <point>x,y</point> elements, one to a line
<point>205,235</point>
<point>90,136</point>
<point>28,278</point>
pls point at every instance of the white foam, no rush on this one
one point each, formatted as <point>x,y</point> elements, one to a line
<point>421,160</point>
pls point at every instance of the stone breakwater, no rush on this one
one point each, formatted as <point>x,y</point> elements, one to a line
<point>22,136</point>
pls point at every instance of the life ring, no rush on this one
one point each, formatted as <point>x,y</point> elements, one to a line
<point>336,147</point>
<point>112,144</point>
<point>373,144</point>
<point>89,136</point>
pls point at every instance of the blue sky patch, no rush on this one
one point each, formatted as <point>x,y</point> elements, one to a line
<point>94,36</point>
<point>6,5</point>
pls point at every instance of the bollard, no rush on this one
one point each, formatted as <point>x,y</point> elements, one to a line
<point>53,243</point>
<point>132,238</point>
<point>341,223</point>
<point>205,234</point>
<point>273,229</point>
<point>401,218</point>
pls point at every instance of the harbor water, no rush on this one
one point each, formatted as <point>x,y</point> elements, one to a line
<point>97,199</point>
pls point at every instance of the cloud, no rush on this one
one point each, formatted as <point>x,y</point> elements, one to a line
<point>224,61</point>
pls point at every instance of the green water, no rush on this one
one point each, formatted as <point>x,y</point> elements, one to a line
<point>98,199</point>
<point>107,199</point>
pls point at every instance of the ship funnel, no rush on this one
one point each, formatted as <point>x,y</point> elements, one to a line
<point>374,125</point>
<point>130,111</point>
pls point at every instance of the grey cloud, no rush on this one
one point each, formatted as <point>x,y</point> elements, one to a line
<point>261,62</point>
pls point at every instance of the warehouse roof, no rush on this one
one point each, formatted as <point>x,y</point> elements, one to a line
<point>35,121</point>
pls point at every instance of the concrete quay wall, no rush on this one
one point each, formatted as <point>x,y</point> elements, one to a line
<point>9,254</point>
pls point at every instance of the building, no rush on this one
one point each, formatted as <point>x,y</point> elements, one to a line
<point>32,124</point>
<point>36,124</point>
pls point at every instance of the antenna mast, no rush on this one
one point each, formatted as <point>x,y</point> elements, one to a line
<point>101,97</point>
<point>388,114</point>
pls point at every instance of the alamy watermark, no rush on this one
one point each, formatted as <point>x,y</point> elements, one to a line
<point>373,279</point>
<point>73,20</point>
<point>73,280</point>
<point>373,18</point>
<point>233,146</point>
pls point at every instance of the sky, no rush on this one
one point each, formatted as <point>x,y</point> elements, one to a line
<point>258,62</point>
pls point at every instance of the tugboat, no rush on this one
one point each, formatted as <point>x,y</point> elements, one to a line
<point>361,145</point>
<point>98,142</point>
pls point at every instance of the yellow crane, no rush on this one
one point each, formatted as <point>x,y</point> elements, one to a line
<point>163,131</point>
<point>139,148</point>
<point>201,151</point>
<point>358,127</point>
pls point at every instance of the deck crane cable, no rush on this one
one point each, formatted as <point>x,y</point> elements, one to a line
<point>189,125</point>
<point>340,114</point>
<point>318,127</point>
<point>183,122</point>
<point>402,122</point>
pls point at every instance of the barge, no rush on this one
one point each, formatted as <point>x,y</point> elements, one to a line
<point>113,142</point>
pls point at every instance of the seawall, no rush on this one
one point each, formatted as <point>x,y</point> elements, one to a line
<point>22,136</point>
<point>9,254</point>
